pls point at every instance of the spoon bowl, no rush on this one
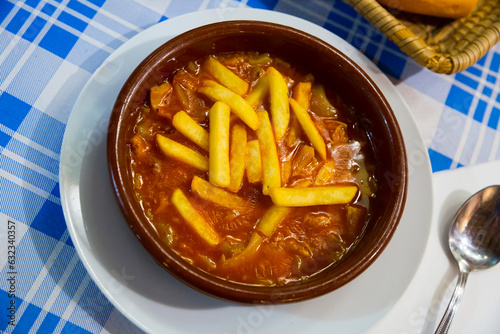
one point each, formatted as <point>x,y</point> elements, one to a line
<point>474,241</point>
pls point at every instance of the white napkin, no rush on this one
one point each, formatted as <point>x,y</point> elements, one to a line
<point>421,307</point>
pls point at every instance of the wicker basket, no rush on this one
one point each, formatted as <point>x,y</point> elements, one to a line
<point>441,45</point>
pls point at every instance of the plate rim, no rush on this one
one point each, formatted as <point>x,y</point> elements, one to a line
<point>217,16</point>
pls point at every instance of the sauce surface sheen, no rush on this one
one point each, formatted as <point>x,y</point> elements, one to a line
<point>309,238</point>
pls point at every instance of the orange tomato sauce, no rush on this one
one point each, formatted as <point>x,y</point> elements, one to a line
<point>309,238</point>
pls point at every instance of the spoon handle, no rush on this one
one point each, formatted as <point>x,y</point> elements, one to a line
<point>445,323</point>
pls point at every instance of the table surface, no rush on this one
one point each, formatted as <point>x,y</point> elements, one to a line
<point>49,50</point>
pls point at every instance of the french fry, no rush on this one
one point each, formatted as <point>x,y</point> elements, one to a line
<point>313,195</point>
<point>272,218</point>
<point>280,109</point>
<point>217,92</point>
<point>254,162</point>
<point>302,94</point>
<point>225,76</point>
<point>192,130</point>
<point>194,219</point>
<point>309,128</point>
<point>216,195</point>
<point>218,158</point>
<point>158,93</point>
<point>182,153</point>
<point>258,92</point>
<point>270,163</point>
<point>237,157</point>
<point>250,250</point>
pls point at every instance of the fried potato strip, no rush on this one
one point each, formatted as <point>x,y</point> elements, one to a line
<point>194,219</point>
<point>237,157</point>
<point>313,195</point>
<point>270,163</point>
<point>250,250</point>
<point>191,130</point>
<point>225,76</point>
<point>182,153</point>
<point>218,168</point>
<point>271,219</point>
<point>216,195</point>
<point>253,162</point>
<point>217,92</point>
<point>302,94</point>
<point>280,109</point>
<point>309,128</point>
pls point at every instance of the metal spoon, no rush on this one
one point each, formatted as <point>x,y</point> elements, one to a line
<point>474,241</point>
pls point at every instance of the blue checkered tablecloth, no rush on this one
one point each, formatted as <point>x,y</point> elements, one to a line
<point>48,51</point>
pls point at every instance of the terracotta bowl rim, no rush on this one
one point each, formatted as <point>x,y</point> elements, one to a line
<point>166,257</point>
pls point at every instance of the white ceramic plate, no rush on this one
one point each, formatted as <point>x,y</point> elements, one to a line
<point>149,296</point>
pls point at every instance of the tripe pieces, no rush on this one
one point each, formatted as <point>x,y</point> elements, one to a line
<point>259,92</point>
<point>267,225</point>
<point>271,176</point>
<point>225,76</point>
<point>182,153</point>
<point>325,195</point>
<point>194,219</point>
<point>157,94</point>
<point>218,169</point>
<point>217,92</point>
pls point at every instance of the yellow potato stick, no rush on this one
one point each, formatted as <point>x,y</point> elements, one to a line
<point>216,195</point>
<point>218,157</point>
<point>309,128</point>
<point>192,130</point>
<point>194,219</point>
<point>225,76</point>
<point>259,92</point>
<point>313,195</point>
<point>280,109</point>
<point>272,218</point>
<point>302,94</point>
<point>238,105</point>
<point>250,250</point>
<point>237,156</point>
<point>270,163</point>
<point>254,162</point>
<point>182,153</point>
<point>303,157</point>
<point>158,93</point>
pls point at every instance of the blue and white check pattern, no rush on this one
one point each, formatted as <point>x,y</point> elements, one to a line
<point>48,51</point>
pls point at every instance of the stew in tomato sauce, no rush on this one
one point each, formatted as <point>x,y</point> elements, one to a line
<point>235,229</point>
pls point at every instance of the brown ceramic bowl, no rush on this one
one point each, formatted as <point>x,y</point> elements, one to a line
<point>329,66</point>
